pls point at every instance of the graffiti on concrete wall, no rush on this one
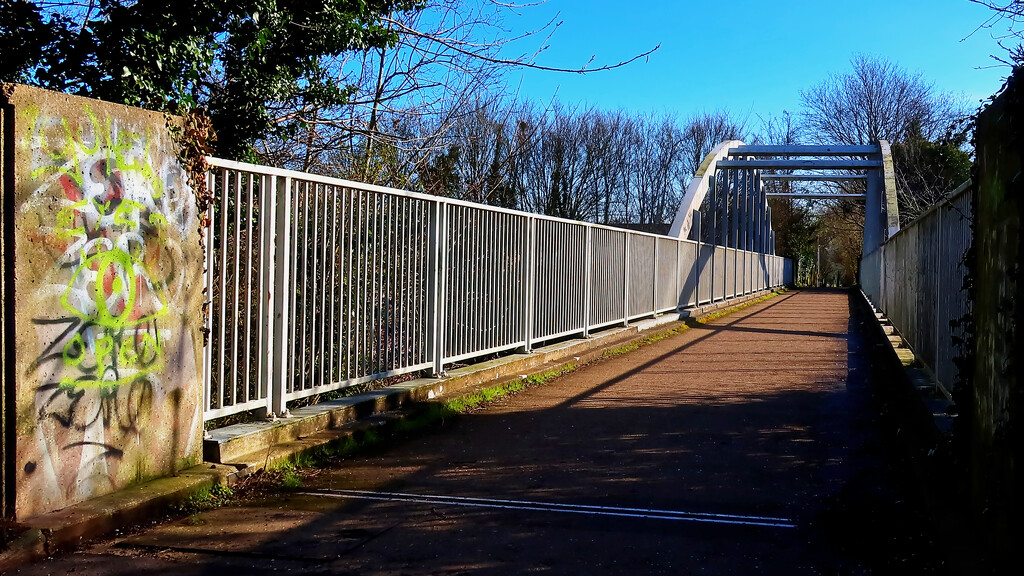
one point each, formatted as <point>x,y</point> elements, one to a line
<point>113,210</point>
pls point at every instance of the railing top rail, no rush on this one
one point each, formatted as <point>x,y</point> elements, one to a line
<point>332,181</point>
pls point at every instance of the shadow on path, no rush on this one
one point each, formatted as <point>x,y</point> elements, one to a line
<point>771,412</point>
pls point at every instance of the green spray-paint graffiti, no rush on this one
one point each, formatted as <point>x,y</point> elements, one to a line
<point>112,290</point>
<point>69,147</point>
<point>114,211</point>
<point>114,232</point>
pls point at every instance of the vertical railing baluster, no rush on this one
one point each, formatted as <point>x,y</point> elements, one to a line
<point>249,310</point>
<point>222,305</point>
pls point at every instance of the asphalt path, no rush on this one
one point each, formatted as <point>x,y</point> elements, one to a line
<point>753,444</point>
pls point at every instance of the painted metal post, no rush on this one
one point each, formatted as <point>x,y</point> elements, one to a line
<point>695,269</point>
<point>588,263</point>
<point>625,281</point>
<point>722,237</point>
<point>755,231</point>
<point>762,217</point>
<point>208,320</point>
<point>743,262</point>
<point>654,280</point>
<point>744,244</point>
<point>715,224</point>
<point>873,220</point>
<point>741,210</point>
<point>282,310</point>
<point>531,284</point>
<point>758,216</point>
<point>730,226</point>
<point>752,220</point>
<point>678,270</point>
<point>436,297</point>
<point>759,207</point>
<point>751,210</point>
<point>762,227</point>
<point>733,202</point>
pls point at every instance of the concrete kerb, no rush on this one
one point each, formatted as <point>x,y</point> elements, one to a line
<point>934,399</point>
<point>924,424</point>
<point>65,528</point>
<point>245,448</point>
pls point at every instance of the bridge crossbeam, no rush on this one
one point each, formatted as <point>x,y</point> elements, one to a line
<point>785,164</point>
<point>815,177</point>
<point>802,150</point>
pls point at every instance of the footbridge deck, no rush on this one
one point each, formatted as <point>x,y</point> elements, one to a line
<point>705,452</point>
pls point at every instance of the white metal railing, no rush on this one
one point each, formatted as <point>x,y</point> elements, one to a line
<point>916,278</point>
<point>316,283</point>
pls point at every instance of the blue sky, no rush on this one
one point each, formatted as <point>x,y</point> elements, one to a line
<point>749,57</point>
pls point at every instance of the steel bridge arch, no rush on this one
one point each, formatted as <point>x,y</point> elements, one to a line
<point>736,171</point>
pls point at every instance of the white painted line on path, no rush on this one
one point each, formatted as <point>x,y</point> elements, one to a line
<point>648,513</point>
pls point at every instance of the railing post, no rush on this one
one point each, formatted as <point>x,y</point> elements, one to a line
<point>654,280</point>
<point>208,295</point>
<point>282,310</point>
<point>748,230</point>
<point>695,269</point>
<point>531,283</point>
<point>758,206</point>
<point>587,265</point>
<point>436,285</point>
<point>625,281</point>
<point>716,224</point>
<point>679,270</point>
<point>730,184</point>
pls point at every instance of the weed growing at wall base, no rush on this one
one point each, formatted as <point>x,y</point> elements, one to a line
<point>206,499</point>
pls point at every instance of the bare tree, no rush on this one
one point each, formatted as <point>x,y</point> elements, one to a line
<point>561,168</point>
<point>876,100</point>
<point>705,131</point>
<point>1011,15</point>
<point>658,159</point>
<point>879,100</point>
<point>617,130</point>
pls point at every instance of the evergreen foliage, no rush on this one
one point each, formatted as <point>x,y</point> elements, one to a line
<point>238,59</point>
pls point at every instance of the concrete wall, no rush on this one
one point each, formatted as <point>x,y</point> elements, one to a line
<point>998,300</point>
<point>106,296</point>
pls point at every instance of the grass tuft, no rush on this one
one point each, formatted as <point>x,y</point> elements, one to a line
<point>737,308</point>
<point>205,499</point>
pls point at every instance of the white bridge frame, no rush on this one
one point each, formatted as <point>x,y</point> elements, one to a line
<point>729,184</point>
